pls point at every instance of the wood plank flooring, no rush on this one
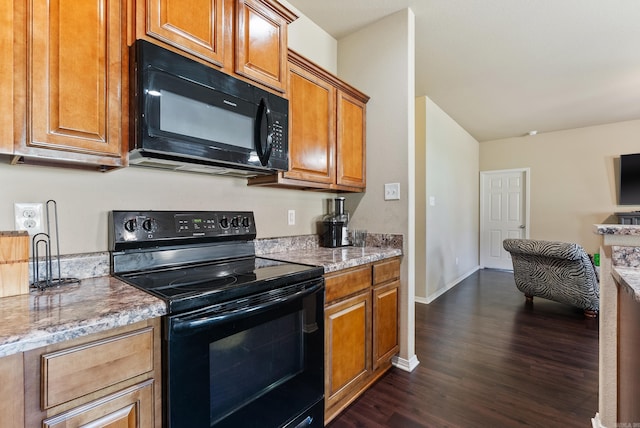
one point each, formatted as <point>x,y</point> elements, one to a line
<point>489,360</point>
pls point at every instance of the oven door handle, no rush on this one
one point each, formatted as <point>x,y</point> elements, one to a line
<point>180,325</point>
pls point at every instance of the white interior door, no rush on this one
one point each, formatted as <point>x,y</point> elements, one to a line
<point>504,213</point>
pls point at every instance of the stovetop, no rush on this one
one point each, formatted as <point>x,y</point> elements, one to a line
<point>193,259</point>
<point>189,287</point>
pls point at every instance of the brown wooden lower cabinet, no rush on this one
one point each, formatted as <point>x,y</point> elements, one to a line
<point>11,387</point>
<point>361,330</point>
<point>107,379</point>
<point>385,323</point>
<point>347,347</point>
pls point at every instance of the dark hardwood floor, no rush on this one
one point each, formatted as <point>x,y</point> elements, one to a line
<point>489,360</point>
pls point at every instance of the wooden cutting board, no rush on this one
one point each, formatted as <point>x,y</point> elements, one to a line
<point>14,263</point>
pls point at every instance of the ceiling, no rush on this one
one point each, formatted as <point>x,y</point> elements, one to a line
<point>502,68</point>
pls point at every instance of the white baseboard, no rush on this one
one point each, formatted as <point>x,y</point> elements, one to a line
<point>430,298</point>
<point>406,365</point>
<point>596,422</point>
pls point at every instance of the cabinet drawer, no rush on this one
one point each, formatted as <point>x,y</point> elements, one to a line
<point>347,283</point>
<point>130,408</point>
<point>80,370</point>
<point>385,271</point>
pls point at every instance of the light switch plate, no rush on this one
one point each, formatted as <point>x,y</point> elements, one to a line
<point>392,191</point>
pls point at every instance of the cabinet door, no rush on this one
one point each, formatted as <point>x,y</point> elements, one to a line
<point>6,76</point>
<point>351,170</point>
<point>385,323</point>
<point>130,408</point>
<point>311,127</point>
<point>76,58</point>
<point>194,26</point>
<point>261,43</point>
<point>11,391</point>
<point>347,347</point>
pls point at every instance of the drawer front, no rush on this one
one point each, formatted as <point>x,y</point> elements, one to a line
<point>347,283</point>
<point>385,271</point>
<point>130,408</point>
<point>80,370</point>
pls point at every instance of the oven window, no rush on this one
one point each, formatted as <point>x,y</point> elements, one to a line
<point>250,363</point>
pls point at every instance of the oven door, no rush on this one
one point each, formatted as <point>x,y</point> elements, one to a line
<point>255,362</point>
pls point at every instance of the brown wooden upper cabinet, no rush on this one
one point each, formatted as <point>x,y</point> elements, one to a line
<point>247,38</point>
<point>70,93</point>
<point>196,27</point>
<point>6,76</point>
<point>327,122</point>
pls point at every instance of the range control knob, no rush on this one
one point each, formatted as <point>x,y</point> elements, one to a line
<point>150,225</point>
<point>245,222</point>
<point>224,223</point>
<point>131,225</point>
<point>235,222</point>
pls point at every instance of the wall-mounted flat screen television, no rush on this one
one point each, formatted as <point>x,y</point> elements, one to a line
<point>630,179</point>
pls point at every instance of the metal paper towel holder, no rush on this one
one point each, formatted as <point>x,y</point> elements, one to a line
<point>42,242</point>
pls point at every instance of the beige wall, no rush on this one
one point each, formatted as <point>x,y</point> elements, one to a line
<point>448,230</point>
<point>84,199</point>
<point>390,140</point>
<point>573,182</point>
<point>308,39</point>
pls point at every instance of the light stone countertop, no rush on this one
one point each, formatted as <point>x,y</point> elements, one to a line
<point>62,313</point>
<point>616,229</point>
<point>629,280</point>
<point>335,259</point>
<point>625,255</point>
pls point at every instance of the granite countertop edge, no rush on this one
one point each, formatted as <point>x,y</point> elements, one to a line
<point>47,317</point>
<point>336,259</point>
<point>616,229</point>
<point>628,279</point>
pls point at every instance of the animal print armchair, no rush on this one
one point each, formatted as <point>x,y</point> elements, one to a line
<point>557,271</point>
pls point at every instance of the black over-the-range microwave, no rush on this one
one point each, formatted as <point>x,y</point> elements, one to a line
<point>187,116</point>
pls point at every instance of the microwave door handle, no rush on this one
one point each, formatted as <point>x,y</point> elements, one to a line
<point>263,139</point>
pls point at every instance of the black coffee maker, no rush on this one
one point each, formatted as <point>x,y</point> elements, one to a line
<point>335,226</point>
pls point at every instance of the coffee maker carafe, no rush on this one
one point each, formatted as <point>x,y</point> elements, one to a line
<point>336,225</point>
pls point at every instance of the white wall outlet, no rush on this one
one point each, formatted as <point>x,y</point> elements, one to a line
<point>291,217</point>
<point>392,191</point>
<point>28,217</point>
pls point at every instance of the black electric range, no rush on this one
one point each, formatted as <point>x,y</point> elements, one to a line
<point>243,334</point>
